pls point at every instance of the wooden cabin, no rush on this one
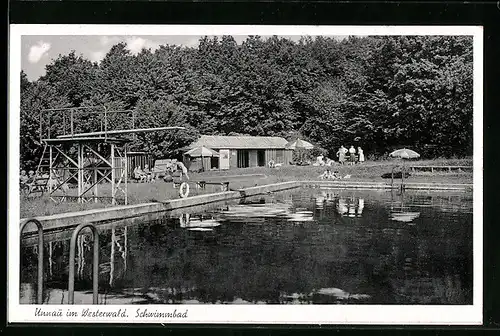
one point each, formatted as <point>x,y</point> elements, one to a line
<point>240,152</point>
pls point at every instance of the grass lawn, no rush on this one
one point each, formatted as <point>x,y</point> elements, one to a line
<point>161,191</point>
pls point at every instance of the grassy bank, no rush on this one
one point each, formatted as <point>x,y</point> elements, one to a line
<point>160,191</point>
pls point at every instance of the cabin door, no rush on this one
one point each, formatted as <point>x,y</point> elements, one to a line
<point>224,159</point>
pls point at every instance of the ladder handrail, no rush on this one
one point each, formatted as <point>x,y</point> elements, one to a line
<point>33,185</point>
<point>71,280</point>
<point>40,255</point>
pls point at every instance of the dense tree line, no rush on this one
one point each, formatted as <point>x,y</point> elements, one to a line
<point>376,92</point>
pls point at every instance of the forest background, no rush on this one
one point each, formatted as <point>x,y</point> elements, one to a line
<point>377,92</point>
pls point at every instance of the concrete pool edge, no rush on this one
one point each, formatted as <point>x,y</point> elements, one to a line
<point>72,219</point>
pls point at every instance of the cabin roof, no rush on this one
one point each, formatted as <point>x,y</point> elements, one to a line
<point>240,142</point>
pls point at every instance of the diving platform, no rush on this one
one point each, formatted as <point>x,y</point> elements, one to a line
<point>84,153</point>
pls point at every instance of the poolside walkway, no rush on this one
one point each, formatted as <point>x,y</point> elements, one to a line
<point>72,219</point>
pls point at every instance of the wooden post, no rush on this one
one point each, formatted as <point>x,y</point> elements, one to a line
<point>71,122</point>
<point>48,127</point>
<point>95,186</point>
<point>50,170</point>
<point>392,177</point>
<point>402,178</point>
<point>105,123</point>
<point>64,123</point>
<point>80,171</point>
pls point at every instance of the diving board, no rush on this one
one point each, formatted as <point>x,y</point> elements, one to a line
<point>115,132</point>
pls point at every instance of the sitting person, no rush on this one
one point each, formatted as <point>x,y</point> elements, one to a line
<point>139,174</point>
<point>147,171</point>
<point>324,175</point>
<point>327,174</point>
<point>23,178</point>
<point>31,176</point>
<point>271,163</point>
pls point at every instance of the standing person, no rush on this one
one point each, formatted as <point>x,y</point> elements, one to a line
<point>361,155</point>
<point>341,154</point>
<point>183,169</point>
<point>352,154</point>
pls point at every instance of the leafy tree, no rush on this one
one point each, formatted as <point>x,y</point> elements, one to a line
<point>379,92</point>
<point>35,97</point>
<point>163,143</point>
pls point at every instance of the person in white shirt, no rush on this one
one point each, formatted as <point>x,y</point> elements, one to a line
<point>361,155</point>
<point>352,155</point>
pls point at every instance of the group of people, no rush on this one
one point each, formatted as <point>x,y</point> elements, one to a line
<point>351,155</point>
<point>26,179</point>
<point>34,180</point>
<point>144,175</point>
<point>150,175</point>
<point>329,175</point>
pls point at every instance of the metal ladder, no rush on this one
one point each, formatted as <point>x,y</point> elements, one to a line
<point>39,183</point>
<point>71,277</point>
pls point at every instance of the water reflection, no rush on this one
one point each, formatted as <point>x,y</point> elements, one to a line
<point>351,206</point>
<point>198,222</point>
<point>291,248</point>
<point>400,212</point>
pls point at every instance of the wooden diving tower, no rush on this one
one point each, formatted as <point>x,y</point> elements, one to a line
<point>81,163</point>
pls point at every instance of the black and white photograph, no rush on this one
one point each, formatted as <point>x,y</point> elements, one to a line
<point>245,174</point>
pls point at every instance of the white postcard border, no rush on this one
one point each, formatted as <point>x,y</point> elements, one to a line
<point>244,314</point>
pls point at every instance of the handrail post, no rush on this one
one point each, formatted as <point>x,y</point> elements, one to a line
<point>40,256</point>
<point>392,177</point>
<point>95,266</point>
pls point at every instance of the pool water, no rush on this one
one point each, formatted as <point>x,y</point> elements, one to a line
<point>299,247</point>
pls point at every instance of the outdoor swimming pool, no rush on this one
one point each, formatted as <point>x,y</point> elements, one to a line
<point>300,246</point>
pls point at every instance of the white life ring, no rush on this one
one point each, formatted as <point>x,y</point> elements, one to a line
<point>184,190</point>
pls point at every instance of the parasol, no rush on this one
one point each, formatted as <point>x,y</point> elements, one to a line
<point>298,144</point>
<point>202,152</point>
<point>404,153</point>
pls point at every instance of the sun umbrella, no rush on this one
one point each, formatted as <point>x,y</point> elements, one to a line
<point>404,153</point>
<point>299,144</point>
<point>202,152</point>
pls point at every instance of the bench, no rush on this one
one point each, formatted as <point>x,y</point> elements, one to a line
<point>433,169</point>
<point>161,166</point>
<point>224,185</point>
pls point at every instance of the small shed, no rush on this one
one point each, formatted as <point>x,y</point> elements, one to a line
<point>244,151</point>
<point>138,159</point>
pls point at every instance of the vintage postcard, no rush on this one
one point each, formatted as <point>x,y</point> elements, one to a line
<point>245,174</point>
